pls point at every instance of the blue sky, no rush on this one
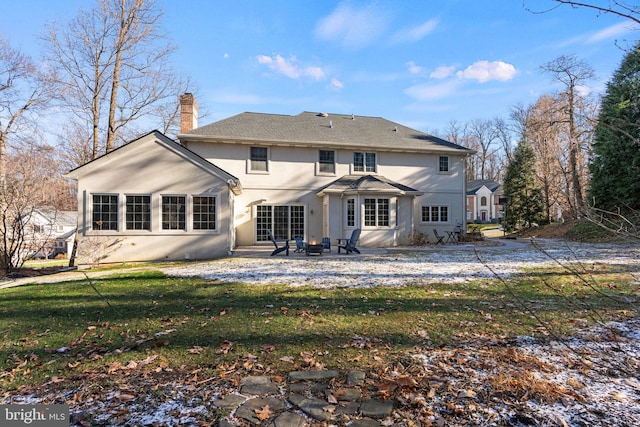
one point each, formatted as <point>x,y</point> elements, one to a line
<point>420,63</point>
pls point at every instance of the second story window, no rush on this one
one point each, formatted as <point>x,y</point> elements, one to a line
<point>483,201</point>
<point>443,164</point>
<point>364,162</point>
<point>258,159</point>
<point>327,161</point>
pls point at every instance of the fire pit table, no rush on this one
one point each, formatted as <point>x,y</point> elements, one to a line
<point>313,248</point>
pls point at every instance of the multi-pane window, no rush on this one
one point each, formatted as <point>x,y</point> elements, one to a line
<point>204,213</point>
<point>351,213</point>
<point>258,159</point>
<point>105,212</point>
<point>483,201</point>
<point>376,212</point>
<point>364,162</point>
<point>443,164</point>
<point>174,213</point>
<point>435,214</point>
<point>138,212</point>
<point>326,161</point>
<point>383,213</point>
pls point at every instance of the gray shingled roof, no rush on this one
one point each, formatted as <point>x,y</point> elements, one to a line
<point>475,185</point>
<point>352,184</point>
<point>318,129</point>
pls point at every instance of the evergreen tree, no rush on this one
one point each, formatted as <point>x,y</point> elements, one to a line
<point>615,164</point>
<point>525,204</point>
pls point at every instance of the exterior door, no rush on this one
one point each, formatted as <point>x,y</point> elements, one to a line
<point>285,221</point>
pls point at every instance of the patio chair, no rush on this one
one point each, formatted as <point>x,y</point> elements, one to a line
<point>278,248</point>
<point>299,245</point>
<point>439,238</point>
<point>350,243</point>
<point>326,244</point>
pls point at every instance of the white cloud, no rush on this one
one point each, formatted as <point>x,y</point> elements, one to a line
<point>442,72</point>
<point>415,34</point>
<point>612,32</point>
<point>413,68</point>
<point>336,84</point>
<point>226,55</point>
<point>583,90</point>
<point>485,71</point>
<point>351,27</point>
<point>424,92</point>
<point>289,67</point>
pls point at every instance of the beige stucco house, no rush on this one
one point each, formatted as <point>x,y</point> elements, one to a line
<point>309,175</point>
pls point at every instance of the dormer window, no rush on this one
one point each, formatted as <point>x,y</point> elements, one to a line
<point>364,162</point>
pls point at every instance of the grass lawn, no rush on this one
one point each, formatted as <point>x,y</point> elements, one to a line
<point>60,331</point>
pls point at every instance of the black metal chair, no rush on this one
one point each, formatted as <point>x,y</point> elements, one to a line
<point>439,238</point>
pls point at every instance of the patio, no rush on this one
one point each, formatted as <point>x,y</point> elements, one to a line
<point>400,266</point>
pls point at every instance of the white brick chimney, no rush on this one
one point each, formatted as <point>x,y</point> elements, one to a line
<point>188,112</point>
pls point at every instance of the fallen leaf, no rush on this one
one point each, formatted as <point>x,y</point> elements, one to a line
<point>329,408</point>
<point>195,350</point>
<point>289,359</point>
<point>470,394</point>
<point>264,413</point>
<point>125,397</point>
<point>131,365</point>
<point>225,347</point>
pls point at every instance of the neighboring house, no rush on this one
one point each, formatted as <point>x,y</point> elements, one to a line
<point>483,201</point>
<point>50,232</point>
<point>227,183</point>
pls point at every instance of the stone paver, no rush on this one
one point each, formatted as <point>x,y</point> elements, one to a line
<point>376,409</point>
<point>307,398</point>
<point>289,419</point>
<point>312,375</point>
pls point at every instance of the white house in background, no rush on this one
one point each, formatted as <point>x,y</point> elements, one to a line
<point>483,201</point>
<point>225,184</point>
<point>50,232</point>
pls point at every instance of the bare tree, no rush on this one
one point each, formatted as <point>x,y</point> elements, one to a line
<point>484,135</point>
<point>114,65</point>
<point>572,73</point>
<point>543,131</point>
<point>23,92</point>
<point>625,9</point>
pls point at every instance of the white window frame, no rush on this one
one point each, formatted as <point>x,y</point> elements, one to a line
<point>191,212</point>
<point>440,164</point>
<point>319,164</point>
<point>438,221</point>
<point>376,212</point>
<point>161,214</point>
<point>119,214</point>
<point>124,217</point>
<point>365,156</point>
<point>250,169</point>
